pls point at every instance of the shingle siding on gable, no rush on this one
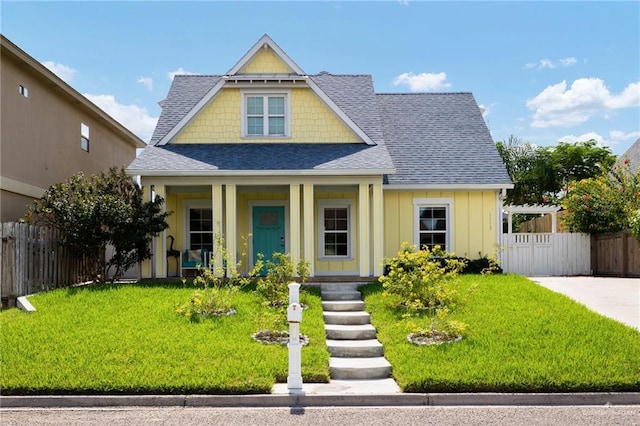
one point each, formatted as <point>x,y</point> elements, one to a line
<point>633,155</point>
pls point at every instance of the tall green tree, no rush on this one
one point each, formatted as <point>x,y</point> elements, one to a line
<point>101,210</point>
<point>543,174</point>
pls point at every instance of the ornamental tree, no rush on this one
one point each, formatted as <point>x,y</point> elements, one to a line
<point>104,209</point>
<point>607,203</point>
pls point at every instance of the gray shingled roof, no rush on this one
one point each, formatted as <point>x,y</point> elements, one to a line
<point>428,138</point>
<point>184,94</point>
<point>633,154</point>
<point>262,156</point>
<point>439,138</point>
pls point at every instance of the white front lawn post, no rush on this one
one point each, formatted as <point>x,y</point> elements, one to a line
<point>294,316</point>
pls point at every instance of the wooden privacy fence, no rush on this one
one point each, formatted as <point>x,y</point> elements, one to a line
<point>546,254</point>
<point>616,254</point>
<point>33,261</point>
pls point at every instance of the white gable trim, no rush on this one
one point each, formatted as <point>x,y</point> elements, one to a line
<point>191,114</point>
<point>344,117</point>
<point>265,41</point>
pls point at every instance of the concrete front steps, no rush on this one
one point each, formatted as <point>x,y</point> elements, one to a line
<point>356,353</point>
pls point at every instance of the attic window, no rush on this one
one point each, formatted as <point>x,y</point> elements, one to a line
<point>23,90</point>
<point>265,114</point>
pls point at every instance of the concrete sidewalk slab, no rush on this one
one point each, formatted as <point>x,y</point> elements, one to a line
<point>616,298</point>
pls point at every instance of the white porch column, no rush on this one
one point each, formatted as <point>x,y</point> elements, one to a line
<point>230,232</point>
<point>364,247</point>
<point>160,243</point>
<point>309,227</point>
<point>216,208</point>
<point>294,222</point>
<point>378,230</point>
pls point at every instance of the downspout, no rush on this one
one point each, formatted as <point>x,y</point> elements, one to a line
<point>499,199</point>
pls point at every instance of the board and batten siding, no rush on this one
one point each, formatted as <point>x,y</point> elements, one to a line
<point>474,232</point>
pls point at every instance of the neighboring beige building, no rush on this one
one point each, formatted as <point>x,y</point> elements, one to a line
<point>48,132</point>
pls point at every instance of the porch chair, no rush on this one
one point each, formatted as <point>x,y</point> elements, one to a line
<point>193,259</point>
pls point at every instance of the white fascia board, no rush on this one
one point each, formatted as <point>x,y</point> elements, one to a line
<point>450,187</point>
<point>191,114</point>
<point>262,173</point>
<point>265,40</point>
<point>316,89</point>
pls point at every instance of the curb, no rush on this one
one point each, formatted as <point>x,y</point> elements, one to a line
<point>301,400</point>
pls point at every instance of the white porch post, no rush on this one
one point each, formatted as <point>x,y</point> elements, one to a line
<point>216,208</point>
<point>364,248</point>
<point>309,228</point>
<point>378,230</point>
<point>294,222</point>
<point>230,233</point>
<point>160,243</point>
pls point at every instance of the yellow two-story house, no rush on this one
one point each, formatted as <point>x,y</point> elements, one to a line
<point>320,167</point>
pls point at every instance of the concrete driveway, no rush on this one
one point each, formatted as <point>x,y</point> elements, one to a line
<point>617,298</point>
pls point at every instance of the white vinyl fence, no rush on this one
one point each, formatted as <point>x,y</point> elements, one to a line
<point>547,254</point>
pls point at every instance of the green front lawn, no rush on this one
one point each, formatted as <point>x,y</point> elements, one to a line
<point>128,339</point>
<point>521,337</point>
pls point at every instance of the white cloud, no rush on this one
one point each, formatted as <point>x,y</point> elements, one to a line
<point>567,62</point>
<point>146,82</point>
<point>179,71</point>
<point>558,106</point>
<point>404,2</point>
<point>422,82</point>
<point>617,135</point>
<point>548,63</point>
<point>133,117</point>
<point>64,72</point>
<point>583,138</point>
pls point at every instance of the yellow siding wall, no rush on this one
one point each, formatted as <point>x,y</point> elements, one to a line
<point>337,267</point>
<point>474,221</point>
<point>265,62</point>
<point>311,121</point>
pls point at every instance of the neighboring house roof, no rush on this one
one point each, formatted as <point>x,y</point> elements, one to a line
<point>439,139</point>
<point>633,154</point>
<point>47,75</point>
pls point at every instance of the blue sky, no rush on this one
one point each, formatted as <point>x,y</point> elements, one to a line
<point>543,71</point>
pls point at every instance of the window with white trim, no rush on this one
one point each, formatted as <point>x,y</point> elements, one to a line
<point>433,223</point>
<point>335,220</point>
<point>265,114</point>
<point>84,137</point>
<point>23,90</point>
<point>199,225</point>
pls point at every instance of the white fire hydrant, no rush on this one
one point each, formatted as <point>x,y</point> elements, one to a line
<point>294,316</point>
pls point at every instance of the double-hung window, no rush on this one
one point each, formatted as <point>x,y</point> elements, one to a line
<point>265,115</point>
<point>335,233</point>
<point>432,222</point>
<point>199,229</point>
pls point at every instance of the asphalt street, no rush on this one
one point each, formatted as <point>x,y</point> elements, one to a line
<point>296,416</point>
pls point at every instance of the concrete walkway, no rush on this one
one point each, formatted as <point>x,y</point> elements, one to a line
<point>616,298</point>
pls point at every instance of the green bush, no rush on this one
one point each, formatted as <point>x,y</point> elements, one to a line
<point>419,281</point>
<point>280,273</point>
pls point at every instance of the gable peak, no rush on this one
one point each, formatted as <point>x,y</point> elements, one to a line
<point>266,44</point>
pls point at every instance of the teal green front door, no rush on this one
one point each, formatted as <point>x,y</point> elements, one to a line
<point>268,231</point>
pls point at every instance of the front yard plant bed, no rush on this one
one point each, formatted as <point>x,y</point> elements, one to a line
<point>127,338</point>
<point>520,337</point>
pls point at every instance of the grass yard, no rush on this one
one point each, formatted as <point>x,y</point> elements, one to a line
<point>520,338</point>
<point>127,338</point>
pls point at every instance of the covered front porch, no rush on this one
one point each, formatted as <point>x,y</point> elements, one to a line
<point>333,223</point>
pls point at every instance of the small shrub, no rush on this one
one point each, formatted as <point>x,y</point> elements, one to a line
<point>280,273</point>
<point>419,281</point>
<point>217,287</point>
<point>634,224</point>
